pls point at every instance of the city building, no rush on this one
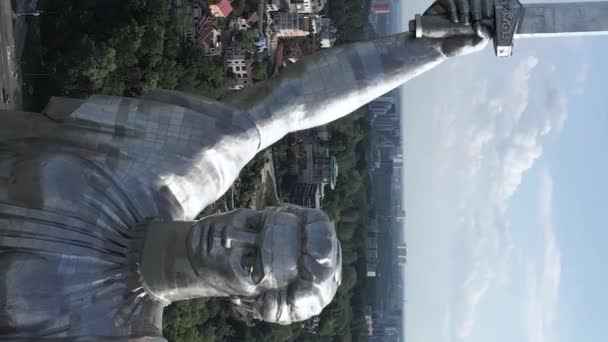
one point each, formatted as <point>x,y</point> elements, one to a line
<point>373,226</point>
<point>319,170</point>
<point>387,219</point>
<point>388,122</point>
<point>307,195</point>
<point>381,8</point>
<point>328,34</point>
<point>368,320</point>
<point>302,49</point>
<point>371,252</point>
<point>402,254</point>
<point>220,8</point>
<point>386,325</point>
<point>306,6</point>
<point>240,24</point>
<point>209,37</point>
<point>288,25</point>
<point>276,5</point>
<point>370,269</point>
<point>315,168</point>
<point>381,105</point>
<point>193,9</point>
<point>315,172</point>
<point>322,134</point>
<point>239,63</point>
<point>253,19</point>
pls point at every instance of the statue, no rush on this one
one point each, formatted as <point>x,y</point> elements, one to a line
<point>98,198</point>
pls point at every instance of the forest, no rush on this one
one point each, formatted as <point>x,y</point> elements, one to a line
<point>123,48</point>
<point>350,18</point>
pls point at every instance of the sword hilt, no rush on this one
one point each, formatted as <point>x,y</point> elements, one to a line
<point>503,26</point>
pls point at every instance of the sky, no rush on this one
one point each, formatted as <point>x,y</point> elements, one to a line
<point>506,165</point>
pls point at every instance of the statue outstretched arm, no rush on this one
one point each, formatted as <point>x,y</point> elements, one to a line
<point>333,83</point>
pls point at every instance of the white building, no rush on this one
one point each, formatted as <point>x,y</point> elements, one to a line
<point>293,24</point>
<point>238,62</point>
<point>240,24</point>
<point>328,34</point>
<point>213,44</point>
<point>306,6</point>
<point>370,270</point>
<point>274,5</point>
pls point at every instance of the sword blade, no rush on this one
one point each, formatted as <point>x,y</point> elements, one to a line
<point>563,19</point>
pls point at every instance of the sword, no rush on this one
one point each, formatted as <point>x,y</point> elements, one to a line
<point>512,20</point>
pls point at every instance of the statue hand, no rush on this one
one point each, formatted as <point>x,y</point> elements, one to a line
<point>464,12</point>
<point>464,45</point>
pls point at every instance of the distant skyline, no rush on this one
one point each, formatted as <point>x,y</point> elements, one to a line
<point>505,183</point>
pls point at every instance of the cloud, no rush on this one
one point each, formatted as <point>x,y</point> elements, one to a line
<point>581,77</point>
<point>543,276</point>
<point>507,138</point>
<point>469,153</point>
<point>446,331</point>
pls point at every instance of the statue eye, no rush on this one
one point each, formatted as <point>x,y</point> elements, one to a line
<point>252,264</point>
<point>248,261</point>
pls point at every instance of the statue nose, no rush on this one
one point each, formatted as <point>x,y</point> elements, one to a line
<point>237,237</point>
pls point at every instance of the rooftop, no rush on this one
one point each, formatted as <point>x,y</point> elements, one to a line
<point>224,6</point>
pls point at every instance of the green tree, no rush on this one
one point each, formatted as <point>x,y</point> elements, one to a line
<point>246,37</point>
<point>97,62</point>
<point>259,71</point>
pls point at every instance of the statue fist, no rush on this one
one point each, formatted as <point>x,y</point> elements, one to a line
<point>458,26</point>
<point>467,44</point>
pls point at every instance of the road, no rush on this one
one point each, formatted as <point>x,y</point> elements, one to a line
<point>9,78</point>
<point>21,24</point>
<point>13,31</point>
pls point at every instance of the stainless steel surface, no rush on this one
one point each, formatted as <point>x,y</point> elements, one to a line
<point>335,82</point>
<point>253,257</point>
<point>563,19</point>
<point>97,198</point>
<point>512,20</point>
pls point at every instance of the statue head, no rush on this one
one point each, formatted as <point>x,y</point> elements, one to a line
<point>279,265</point>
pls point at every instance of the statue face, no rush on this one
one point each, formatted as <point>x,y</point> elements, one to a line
<point>245,252</point>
